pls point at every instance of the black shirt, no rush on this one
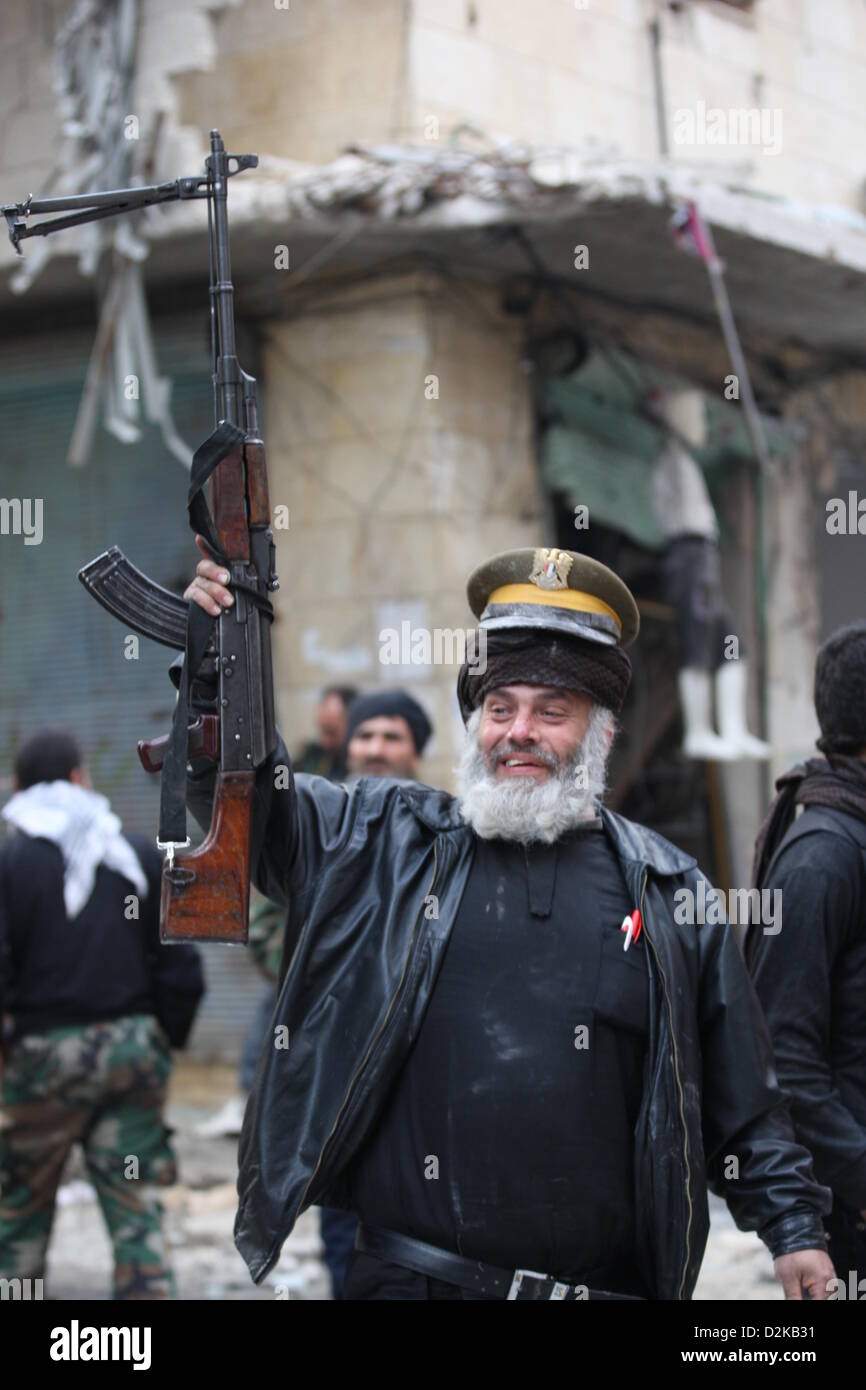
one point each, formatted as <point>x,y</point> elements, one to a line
<point>106,963</point>
<point>508,1136</point>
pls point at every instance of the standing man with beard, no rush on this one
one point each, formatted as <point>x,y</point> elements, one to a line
<point>519,1100</point>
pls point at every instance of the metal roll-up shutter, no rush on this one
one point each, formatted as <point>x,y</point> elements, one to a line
<point>63,659</point>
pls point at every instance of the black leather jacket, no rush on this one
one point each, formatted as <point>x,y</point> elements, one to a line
<point>810,977</point>
<point>358,867</point>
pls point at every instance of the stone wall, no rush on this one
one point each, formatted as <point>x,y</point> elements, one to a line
<point>394,495</point>
<point>307,81</point>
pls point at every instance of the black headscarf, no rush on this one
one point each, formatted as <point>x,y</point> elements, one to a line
<point>840,690</point>
<point>390,702</point>
<point>836,781</point>
<point>520,656</point>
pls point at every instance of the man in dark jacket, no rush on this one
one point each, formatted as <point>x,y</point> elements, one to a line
<point>386,734</point>
<point>810,971</point>
<point>519,1099</point>
<point>91,1004</point>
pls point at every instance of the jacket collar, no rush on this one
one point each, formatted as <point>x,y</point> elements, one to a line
<point>440,811</point>
<point>437,810</point>
<point>644,846</point>
<point>817,817</point>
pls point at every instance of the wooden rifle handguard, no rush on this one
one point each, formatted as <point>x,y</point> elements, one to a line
<point>206,893</point>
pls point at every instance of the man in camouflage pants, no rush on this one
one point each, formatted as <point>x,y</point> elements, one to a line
<point>103,1087</point>
<point>91,1005</point>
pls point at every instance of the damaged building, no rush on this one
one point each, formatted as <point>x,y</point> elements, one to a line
<point>457,283</point>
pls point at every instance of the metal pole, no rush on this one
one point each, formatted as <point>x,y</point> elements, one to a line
<point>655,36</point>
<point>715,270</point>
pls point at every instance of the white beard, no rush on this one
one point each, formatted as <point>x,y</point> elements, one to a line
<point>523,809</point>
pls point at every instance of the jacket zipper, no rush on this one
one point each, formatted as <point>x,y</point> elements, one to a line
<point>385,1021</point>
<point>679,1085</point>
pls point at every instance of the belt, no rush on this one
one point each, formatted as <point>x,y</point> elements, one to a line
<point>525,1285</point>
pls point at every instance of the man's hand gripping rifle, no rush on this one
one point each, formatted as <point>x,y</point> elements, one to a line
<point>205,894</point>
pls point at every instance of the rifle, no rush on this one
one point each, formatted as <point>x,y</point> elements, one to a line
<point>205,894</point>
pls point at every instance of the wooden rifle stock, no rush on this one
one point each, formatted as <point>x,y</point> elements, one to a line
<point>205,894</point>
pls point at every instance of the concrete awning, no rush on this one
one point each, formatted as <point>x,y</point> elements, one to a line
<point>796,274</point>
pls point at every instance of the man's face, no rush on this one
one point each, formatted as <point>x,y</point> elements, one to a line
<point>331,723</point>
<point>529,730</point>
<point>383,747</point>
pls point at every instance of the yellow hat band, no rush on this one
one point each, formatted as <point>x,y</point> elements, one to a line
<point>575,599</point>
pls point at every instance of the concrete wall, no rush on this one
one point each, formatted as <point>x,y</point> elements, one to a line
<point>567,73</point>
<point>393,497</point>
<point>304,81</point>
<point>793,606</point>
<point>172,37</point>
<point>307,80</point>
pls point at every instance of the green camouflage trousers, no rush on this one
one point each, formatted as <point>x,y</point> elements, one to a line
<point>102,1086</point>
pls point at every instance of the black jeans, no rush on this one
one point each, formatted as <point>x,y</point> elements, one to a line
<point>338,1237</point>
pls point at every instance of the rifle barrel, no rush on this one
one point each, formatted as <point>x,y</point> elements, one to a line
<point>222,291</point>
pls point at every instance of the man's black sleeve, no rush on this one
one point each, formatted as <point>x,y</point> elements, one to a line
<point>753,1158</point>
<point>793,974</point>
<point>298,824</point>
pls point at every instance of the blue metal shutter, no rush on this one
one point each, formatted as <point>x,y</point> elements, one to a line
<point>61,656</point>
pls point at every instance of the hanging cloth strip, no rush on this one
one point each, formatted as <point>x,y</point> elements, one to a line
<point>199,630</point>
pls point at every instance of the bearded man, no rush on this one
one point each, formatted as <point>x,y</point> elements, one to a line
<point>519,1100</point>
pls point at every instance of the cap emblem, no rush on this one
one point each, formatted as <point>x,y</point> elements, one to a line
<point>550,569</point>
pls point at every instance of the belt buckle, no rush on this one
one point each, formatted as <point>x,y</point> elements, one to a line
<point>523,1290</point>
